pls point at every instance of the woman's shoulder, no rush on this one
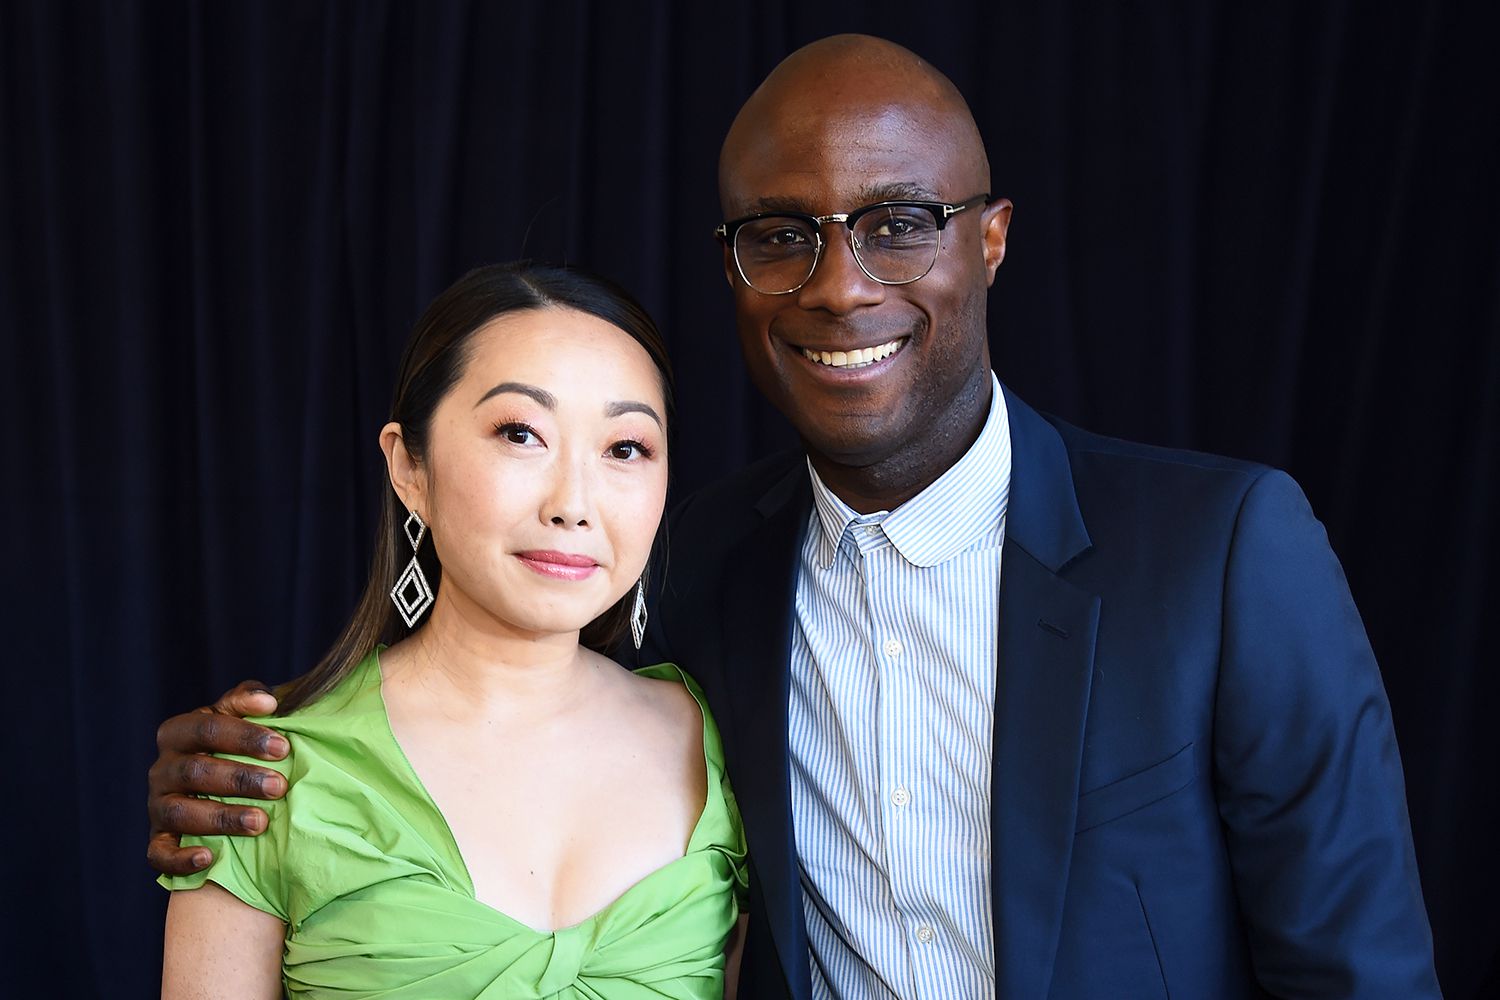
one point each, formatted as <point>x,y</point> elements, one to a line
<point>357,686</point>
<point>684,706</point>
<point>658,706</point>
<point>349,719</point>
<point>672,693</point>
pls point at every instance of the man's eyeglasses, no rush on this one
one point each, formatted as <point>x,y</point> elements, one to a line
<point>894,242</point>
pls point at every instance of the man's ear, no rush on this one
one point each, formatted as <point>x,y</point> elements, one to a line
<point>405,474</point>
<point>730,268</point>
<point>996,221</point>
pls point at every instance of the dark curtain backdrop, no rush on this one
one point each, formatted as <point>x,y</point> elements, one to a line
<point>1268,230</point>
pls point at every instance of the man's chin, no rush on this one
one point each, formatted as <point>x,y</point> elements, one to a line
<point>850,450</point>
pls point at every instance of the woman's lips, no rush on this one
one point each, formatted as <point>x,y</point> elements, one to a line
<point>558,565</point>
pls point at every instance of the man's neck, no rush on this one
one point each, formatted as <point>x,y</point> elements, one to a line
<point>891,481</point>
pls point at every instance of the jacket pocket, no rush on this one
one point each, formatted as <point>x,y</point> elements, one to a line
<point>1136,791</point>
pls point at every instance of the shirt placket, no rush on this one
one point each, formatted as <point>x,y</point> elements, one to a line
<point>896,724</point>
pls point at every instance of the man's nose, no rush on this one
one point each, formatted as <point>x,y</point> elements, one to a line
<point>838,284</point>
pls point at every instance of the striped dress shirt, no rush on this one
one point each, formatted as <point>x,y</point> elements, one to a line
<point>891,720</point>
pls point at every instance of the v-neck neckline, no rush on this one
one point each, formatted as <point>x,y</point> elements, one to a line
<point>452,841</point>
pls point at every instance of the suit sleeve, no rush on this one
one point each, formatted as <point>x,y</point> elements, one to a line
<point>1307,773</point>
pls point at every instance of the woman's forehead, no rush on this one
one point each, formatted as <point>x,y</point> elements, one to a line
<point>564,350</point>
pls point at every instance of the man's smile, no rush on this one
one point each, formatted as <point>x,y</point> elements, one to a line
<point>857,358</point>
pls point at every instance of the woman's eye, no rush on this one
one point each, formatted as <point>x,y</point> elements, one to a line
<point>627,451</point>
<point>516,433</point>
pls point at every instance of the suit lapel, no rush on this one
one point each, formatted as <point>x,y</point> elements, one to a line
<point>1045,666</point>
<point>759,607</point>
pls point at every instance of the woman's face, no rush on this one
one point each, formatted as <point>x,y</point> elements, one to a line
<point>546,472</point>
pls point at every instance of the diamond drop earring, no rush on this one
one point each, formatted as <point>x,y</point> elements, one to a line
<point>638,614</point>
<point>411,594</point>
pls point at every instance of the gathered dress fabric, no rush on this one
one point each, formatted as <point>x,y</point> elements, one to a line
<point>359,863</point>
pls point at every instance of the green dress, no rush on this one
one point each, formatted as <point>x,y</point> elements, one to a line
<point>360,865</point>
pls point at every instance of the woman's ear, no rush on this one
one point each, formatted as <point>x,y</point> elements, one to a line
<point>406,475</point>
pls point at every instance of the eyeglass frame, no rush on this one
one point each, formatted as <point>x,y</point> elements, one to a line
<point>941,211</point>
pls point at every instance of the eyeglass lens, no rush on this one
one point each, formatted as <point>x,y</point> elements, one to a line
<point>894,244</point>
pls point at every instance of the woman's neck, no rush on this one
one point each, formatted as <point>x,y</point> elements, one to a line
<point>464,662</point>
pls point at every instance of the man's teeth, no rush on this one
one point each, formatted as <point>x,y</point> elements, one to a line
<point>854,359</point>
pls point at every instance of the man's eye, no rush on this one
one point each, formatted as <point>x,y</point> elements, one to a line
<point>897,227</point>
<point>786,236</point>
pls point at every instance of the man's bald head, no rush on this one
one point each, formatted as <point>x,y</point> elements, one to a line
<point>845,124</point>
<point>825,91</point>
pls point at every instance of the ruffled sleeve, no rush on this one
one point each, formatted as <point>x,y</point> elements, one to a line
<point>251,868</point>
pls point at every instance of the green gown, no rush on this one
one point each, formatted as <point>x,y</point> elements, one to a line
<point>360,865</point>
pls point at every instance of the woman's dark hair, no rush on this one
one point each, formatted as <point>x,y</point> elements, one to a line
<point>432,364</point>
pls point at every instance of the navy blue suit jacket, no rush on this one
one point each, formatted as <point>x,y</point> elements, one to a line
<point>1196,786</point>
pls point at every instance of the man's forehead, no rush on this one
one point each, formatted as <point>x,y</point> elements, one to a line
<point>843,123</point>
<point>820,199</point>
<point>820,163</point>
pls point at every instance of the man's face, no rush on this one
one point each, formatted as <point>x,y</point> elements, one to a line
<point>832,153</point>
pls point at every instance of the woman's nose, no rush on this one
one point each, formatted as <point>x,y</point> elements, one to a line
<point>568,504</point>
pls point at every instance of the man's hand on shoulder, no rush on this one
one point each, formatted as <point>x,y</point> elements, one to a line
<point>185,769</point>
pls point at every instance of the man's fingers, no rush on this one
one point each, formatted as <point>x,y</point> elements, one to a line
<point>246,698</point>
<point>198,774</point>
<point>226,734</point>
<point>206,731</point>
<point>184,770</point>
<point>164,853</point>
<point>177,814</point>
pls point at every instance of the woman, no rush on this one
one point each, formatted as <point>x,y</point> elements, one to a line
<point>482,804</point>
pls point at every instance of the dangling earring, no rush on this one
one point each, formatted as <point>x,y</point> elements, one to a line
<point>411,594</point>
<point>638,614</point>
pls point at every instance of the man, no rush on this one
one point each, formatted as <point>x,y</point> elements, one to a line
<point>1009,707</point>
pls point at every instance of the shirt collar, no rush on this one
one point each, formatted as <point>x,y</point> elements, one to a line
<point>963,507</point>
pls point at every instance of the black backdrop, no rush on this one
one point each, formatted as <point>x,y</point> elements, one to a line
<point>1270,230</point>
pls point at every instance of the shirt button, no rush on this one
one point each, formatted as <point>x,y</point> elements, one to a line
<point>893,647</point>
<point>924,934</point>
<point>901,796</point>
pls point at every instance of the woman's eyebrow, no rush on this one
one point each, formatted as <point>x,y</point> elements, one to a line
<point>623,406</point>
<point>542,396</point>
